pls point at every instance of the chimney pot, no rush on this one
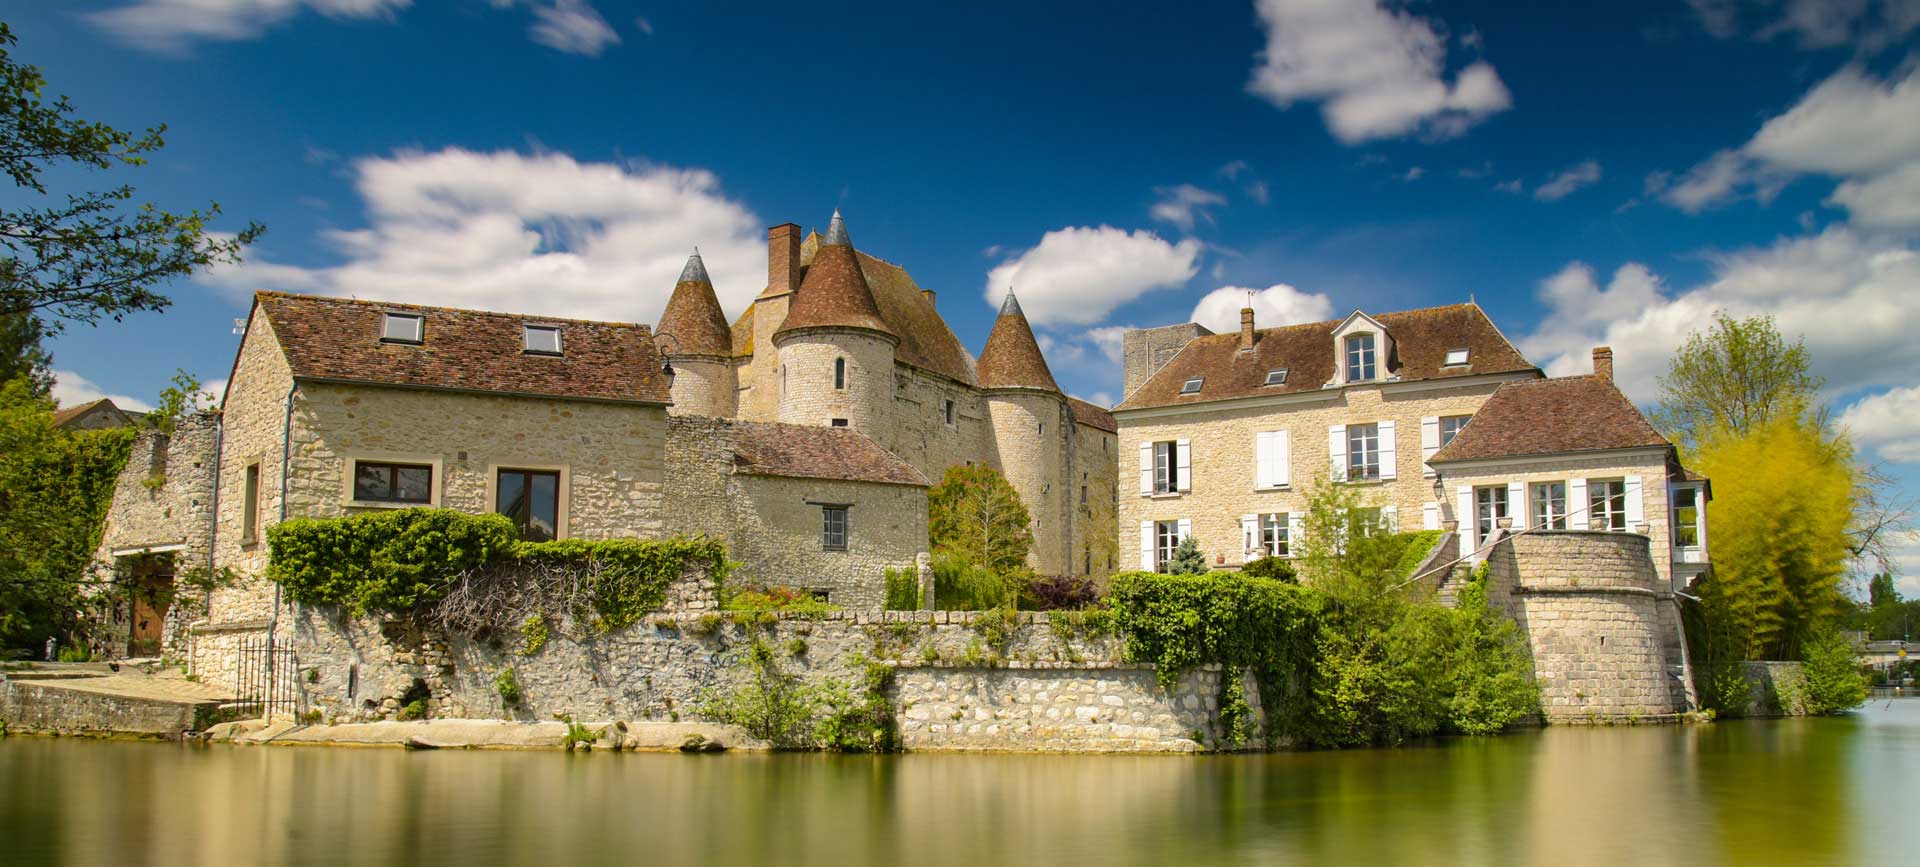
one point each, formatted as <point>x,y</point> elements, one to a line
<point>1603,362</point>
<point>783,259</point>
<point>1246,328</point>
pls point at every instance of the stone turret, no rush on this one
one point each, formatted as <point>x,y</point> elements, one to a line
<point>1033,432</point>
<point>835,349</point>
<point>696,341</point>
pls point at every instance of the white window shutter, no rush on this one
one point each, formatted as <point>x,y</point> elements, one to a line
<point>1249,532</point>
<point>1429,441</point>
<point>1337,451</point>
<point>1430,516</point>
<point>1636,503</point>
<point>1390,515</point>
<point>1283,457</point>
<point>1263,459</point>
<point>1517,504</point>
<point>1183,450</point>
<point>1386,450</point>
<point>1186,528</point>
<point>1146,545</point>
<point>1296,530</point>
<point>1577,504</point>
<point>1468,518</point>
<point>1146,469</point>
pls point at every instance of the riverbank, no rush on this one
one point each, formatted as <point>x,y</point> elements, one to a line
<point>609,736</point>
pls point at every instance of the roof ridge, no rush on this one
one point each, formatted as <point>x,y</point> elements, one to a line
<point>306,297</point>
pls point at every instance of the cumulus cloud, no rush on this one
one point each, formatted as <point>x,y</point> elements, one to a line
<point>1850,296</point>
<point>172,25</point>
<point>72,389</point>
<point>1566,182</point>
<point>1852,126</point>
<point>528,233</point>
<point>1889,422</point>
<point>1079,274</point>
<point>1867,25</point>
<point>1378,71</point>
<point>1111,340</point>
<point>1182,204</point>
<point>1274,306</point>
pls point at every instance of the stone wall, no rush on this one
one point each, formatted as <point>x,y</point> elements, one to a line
<point>1224,465</point>
<point>1648,465</point>
<point>703,385</point>
<point>1092,481</point>
<point>1146,350</point>
<point>1031,429</point>
<point>1774,689</point>
<point>52,707</point>
<point>1591,605</point>
<point>1061,707</point>
<point>806,380</point>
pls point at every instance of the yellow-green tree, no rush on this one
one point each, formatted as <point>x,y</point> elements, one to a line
<point>974,514</point>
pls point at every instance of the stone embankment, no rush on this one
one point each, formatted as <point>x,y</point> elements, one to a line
<point>95,700</point>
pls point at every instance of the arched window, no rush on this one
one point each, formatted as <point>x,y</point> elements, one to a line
<point>839,373</point>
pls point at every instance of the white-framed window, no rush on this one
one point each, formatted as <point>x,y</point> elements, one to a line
<point>833,528</point>
<point>1371,520</point>
<point>1166,538</point>
<point>1166,467</point>
<point>1275,534</point>
<point>1363,450</point>
<point>1607,504</point>
<point>402,328</point>
<point>1276,376</point>
<point>1361,365</point>
<point>541,339</point>
<point>1456,357</point>
<point>1490,505</point>
<point>1549,504</point>
<point>1451,426</point>
<point>1686,516</point>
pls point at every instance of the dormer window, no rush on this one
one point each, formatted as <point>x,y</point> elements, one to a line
<point>541,339</point>
<point>1456,357</point>
<point>1277,376</point>
<point>402,328</point>
<point>1192,386</point>
<point>1361,366</point>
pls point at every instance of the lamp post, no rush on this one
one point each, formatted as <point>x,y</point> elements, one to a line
<point>666,366</point>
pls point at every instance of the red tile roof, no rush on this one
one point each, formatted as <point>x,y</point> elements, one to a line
<point>693,317</point>
<point>68,415</point>
<point>1092,414</point>
<point>1012,356</point>
<point>1552,416</point>
<point>834,294</point>
<point>338,339</point>
<point>1421,339</point>
<point>813,452</point>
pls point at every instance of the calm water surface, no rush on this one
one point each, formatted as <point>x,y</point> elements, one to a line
<point>1837,791</point>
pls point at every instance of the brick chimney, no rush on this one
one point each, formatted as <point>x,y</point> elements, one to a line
<point>783,259</point>
<point>1603,362</point>
<point>1246,328</point>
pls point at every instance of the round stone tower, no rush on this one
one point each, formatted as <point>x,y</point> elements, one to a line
<point>1033,434</point>
<point>696,341</point>
<point>835,350</point>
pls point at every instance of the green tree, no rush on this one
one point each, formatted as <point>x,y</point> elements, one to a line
<point>975,514</point>
<point>22,356</point>
<point>177,401</point>
<point>1734,377</point>
<point>1188,559</point>
<point>1834,680</point>
<point>81,256</point>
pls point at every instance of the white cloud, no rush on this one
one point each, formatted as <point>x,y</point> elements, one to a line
<point>71,389</point>
<point>573,26</point>
<point>1079,274</point>
<point>1866,25</point>
<point>1378,70</point>
<point>1851,126</point>
<point>528,233</point>
<point>1566,182</point>
<point>1274,306</point>
<point>1182,204</point>
<point>1412,174</point>
<point>1101,399</point>
<point>1111,339</point>
<point>1889,421</point>
<point>171,25</point>
<point>1850,296</point>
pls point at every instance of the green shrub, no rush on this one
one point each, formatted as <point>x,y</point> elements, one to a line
<point>772,704</point>
<point>1188,559</point>
<point>860,723</point>
<point>962,586</point>
<point>777,599</point>
<point>75,653</point>
<point>1274,568</point>
<point>1834,683</point>
<point>903,589</point>
<point>533,634</point>
<point>1413,549</point>
<point>413,710</point>
<point>508,686</point>
<point>1178,622</point>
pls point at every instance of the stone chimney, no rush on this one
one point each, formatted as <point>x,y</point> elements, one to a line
<point>1603,362</point>
<point>927,294</point>
<point>783,259</point>
<point>1246,328</point>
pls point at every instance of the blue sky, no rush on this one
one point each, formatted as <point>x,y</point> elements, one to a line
<point>1588,177</point>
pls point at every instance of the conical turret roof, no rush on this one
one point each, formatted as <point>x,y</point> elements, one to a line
<point>1012,356</point>
<point>693,317</point>
<point>834,293</point>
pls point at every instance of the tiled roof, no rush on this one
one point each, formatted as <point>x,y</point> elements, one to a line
<point>338,339</point>
<point>834,292</point>
<point>65,416</point>
<point>693,316</point>
<point>1091,414</point>
<point>1552,416</point>
<point>813,452</point>
<point>1012,356</point>
<point>925,340</point>
<point>1421,339</point>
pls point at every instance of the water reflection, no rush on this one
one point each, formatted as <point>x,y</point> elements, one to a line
<point>1796,791</point>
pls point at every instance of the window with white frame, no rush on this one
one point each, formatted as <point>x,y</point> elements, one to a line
<point>1370,520</point>
<point>1686,516</point>
<point>1607,504</point>
<point>1451,426</point>
<point>1166,539</point>
<point>540,339</point>
<point>1192,386</point>
<point>1276,376</point>
<point>1490,505</point>
<point>1166,467</point>
<point>1549,502</point>
<point>1360,358</point>
<point>402,328</point>
<point>1456,357</point>
<point>1363,451</point>
<point>1275,535</point>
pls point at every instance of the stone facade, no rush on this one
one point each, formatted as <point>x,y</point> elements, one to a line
<point>1647,492</point>
<point>1060,707</point>
<point>1222,488</point>
<point>1145,350</point>
<point>1602,626</point>
<point>158,526</point>
<point>703,385</point>
<point>808,394</point>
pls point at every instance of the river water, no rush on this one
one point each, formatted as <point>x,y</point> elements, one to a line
<point>1837,790</point>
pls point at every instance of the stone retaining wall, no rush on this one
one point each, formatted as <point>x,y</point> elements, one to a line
<point>1774,689</point>
<point>45,706</point>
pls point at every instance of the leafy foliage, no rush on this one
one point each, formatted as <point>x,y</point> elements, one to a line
<point>1187,558</point>
<point>974,514</point>
<point>55,488</point>
<point>1055,592</point>
<point>960,585</point>
<point>22,355</point>
<point>1274,568</point>
<point>1179,622</point>
<point>507,684</point>
<point>1734,378</point>
<point>780,707</point>
<point>177,401</point>
<point>1834,682</point>
<point>91,254</point>
<point>791,600</point>
<point>903,589</point>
